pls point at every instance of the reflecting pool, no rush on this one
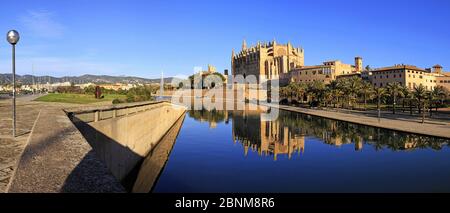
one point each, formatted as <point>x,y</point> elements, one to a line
<point>234,151</point>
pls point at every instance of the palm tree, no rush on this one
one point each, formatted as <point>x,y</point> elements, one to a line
<point>352,87</point>
<point>406,98</point>
<point>300,90</point>
<point>420,94</point>
<point>284,92</point>
<point>379,93</point>
<point>395,90</point>
<point>431,98</point>
<point>315,91</point>
<point>440,93</point>
<point>328,96</point>
<point>366,91</point>
<point>291,91</point>
<point>336,92</point>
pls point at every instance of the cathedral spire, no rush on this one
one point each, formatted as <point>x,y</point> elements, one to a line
<point>244,45</point>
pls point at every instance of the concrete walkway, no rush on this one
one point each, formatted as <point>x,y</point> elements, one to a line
<point>58,159</point>
<point>411,124</point>
<point>11,148</point>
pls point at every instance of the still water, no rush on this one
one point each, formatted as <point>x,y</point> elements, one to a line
<point>234,151</point>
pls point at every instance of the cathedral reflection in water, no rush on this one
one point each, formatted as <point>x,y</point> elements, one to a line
<point>287,134</point>
<point>268,138</point>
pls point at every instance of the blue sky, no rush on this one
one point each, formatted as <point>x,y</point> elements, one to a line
<point>143,38</point>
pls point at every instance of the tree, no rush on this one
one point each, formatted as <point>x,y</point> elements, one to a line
<point>407,96</point>
<point>379,93</point>
<point>315,92</point>
<point>300,90</point>
<point>368,68</point>
<point>284,93</point>
<point>336,92</point>
<point>328,96</point>
<point>352,88</point>
<point>420,94</point>
<point>440,93</point>
<point>366,91</point>
<point>395,90</point>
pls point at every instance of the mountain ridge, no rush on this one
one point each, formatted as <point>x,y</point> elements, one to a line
<point>86,78</point>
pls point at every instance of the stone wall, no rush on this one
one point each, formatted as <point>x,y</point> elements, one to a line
<point>122,137</point>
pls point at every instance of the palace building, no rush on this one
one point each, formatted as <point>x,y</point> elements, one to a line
<point>327,72</point>
<point>410,76</point>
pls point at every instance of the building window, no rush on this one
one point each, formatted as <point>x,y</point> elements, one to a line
<point>381,84</point>
<point>374,84</point>
<point>400,75</point>
<point>395,76</point>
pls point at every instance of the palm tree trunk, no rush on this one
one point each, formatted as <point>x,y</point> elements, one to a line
<point>423,113</point>
<point>431,109</point>
<point>378,107</point>
<point>403,104</point>
<point>393,105</point>
<point>365,103</point>
<point>410,107</point>
<point>418,106</point>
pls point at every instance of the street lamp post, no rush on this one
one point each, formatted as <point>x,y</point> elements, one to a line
<point>13,37</point>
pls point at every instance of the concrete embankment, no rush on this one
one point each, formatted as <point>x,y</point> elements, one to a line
<point>398,123</point>
<point>60,158</point>
<point>122,137</point>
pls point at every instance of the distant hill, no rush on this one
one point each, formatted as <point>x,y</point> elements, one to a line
<point>28,79</point>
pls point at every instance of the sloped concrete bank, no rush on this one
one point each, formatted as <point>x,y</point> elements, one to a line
<point>68,151</point>
<point>122,137</point>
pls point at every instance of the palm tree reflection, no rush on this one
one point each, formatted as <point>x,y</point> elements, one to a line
<point>286,135</point>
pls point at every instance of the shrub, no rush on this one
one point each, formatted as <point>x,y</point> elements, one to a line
<point>118,101</point>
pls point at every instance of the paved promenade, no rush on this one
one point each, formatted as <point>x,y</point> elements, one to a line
<point>11,148</point>
<point>412,124</point>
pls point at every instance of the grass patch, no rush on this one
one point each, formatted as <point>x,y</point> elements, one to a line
<point>77,98</point>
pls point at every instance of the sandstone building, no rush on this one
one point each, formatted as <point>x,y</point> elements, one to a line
<point>410,76</point>
<point>326,72</point>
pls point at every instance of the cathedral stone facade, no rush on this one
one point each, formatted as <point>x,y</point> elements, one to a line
<point>266,61</point>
